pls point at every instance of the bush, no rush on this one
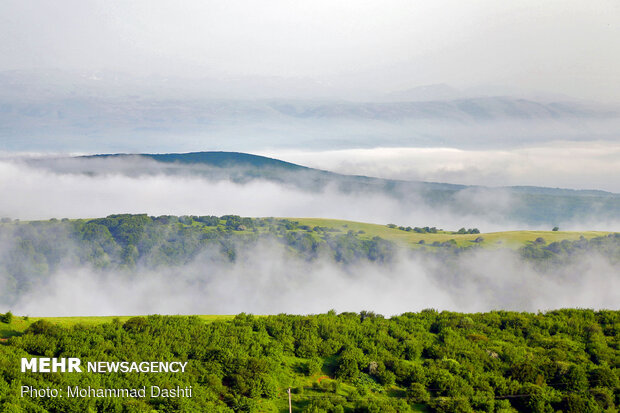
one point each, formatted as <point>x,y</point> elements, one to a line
<point>7,318</point>
<point>416,393</point>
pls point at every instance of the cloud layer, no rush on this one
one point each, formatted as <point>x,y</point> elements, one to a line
<point>575,165</point>
<point>266,280</point>
<point>33,193</point>
<point>89,189</point>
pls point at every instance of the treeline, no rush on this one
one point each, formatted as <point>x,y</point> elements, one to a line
<point>565,360</point>
<point>558,251</point>
<point>29,251</point>
<point>433,230</point>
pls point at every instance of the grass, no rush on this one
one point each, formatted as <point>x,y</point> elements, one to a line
<point>509,239</point>
<point>504,239</point>
<point>20,324</point>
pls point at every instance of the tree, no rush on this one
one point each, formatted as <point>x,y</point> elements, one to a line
<point>7,318</point>
<point>417,393</point>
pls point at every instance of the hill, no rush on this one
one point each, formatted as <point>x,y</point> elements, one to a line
<point>140,247</point>
<point>408,236</point>
<point>524,204</point>
<point>216,159</point>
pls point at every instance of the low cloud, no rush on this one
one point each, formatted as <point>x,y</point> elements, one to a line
<point>35,193</point>
<point>267,280</point>
<point>574,165</point>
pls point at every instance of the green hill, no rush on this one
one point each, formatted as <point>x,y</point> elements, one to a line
<point>530,205</point>
<point>510,239</point>
<point>217,159</point>
<point>128,244</point>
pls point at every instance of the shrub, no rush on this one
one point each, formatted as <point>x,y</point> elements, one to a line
<point>7,318</point>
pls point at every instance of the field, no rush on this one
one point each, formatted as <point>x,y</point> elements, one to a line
<point>509,239</point>
<point>21,323</point>
<point>397,234</point>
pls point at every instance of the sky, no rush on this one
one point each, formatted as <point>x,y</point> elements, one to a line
<point>133,53</point>
<point>563,47</point>
<point>102,76</point>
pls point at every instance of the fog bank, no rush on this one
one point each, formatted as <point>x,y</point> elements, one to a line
<point>33,193</point>
<point>552,164</point>
<point>267,280</point>
<point>135,185</point>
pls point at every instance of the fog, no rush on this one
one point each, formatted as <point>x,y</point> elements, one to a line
<point>85,188</point>
<point>34,193</point>
<point>328,85</point>
<point>268,280</point>
<point>576,165</point>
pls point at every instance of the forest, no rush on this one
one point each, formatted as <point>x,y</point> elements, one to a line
<point>564,360</point>
<point>430,361</point>
<point>124,243</point>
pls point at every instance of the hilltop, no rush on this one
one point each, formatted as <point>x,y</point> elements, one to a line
<point>525,204</point>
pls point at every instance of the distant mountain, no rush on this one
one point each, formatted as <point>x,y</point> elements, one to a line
<point>216,159</point>
<point>94,112</point>
<point>426,93</point>
<point>530,205</point>
<point>459,110</point>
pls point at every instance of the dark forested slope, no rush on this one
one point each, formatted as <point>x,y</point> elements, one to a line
<point>530,205</point>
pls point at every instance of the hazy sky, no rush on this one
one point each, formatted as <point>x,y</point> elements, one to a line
<point>570,47</point>
<point>319,49</point>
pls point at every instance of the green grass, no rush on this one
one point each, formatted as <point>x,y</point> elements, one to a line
<point>509,239</point>
<point>504,239</point>
<point>19,323</point>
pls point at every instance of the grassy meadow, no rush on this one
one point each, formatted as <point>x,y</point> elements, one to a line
<point>21,323</point>
<point>504,239</point>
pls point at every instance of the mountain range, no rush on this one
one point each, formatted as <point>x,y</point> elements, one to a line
<point>527,204</point>
<point>56,112</point>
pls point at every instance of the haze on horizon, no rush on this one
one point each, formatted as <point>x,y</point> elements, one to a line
<point>350,49</point>
<point>153,76</point>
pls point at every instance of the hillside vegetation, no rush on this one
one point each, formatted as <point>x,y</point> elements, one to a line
<point>565,360</point>
<point>400,234</point>
<point>32,251</point>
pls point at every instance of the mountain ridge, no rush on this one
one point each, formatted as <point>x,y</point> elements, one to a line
<point>530,206</point>
<point>233,159</point>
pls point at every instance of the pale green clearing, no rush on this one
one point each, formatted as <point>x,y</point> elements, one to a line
<point>509,239</point>
<point>20,323</point>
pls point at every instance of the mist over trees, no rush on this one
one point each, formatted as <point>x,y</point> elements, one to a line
<point>33,250</point>
<point>235,255</point>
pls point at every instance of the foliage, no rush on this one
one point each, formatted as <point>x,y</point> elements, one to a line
<point>6,318</point>
<point>122,242</point>
<point>444,362</point>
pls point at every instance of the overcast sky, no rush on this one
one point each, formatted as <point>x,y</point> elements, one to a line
<point>321,49</point>
<point>570,47</point>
